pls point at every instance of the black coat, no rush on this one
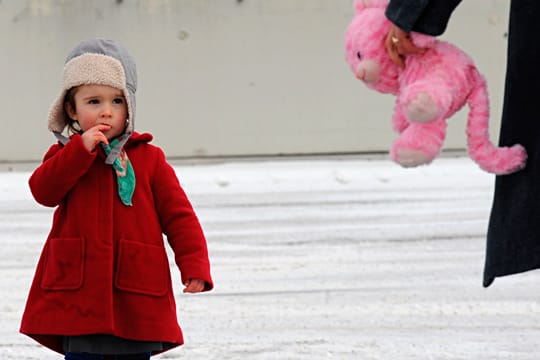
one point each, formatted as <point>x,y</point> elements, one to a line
<point>513,237</point>
<point>424,16</point>
<point>513,242</point>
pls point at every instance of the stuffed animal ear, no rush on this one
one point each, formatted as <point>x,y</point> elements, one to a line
<point>360,5</point>
<point>422,40</point>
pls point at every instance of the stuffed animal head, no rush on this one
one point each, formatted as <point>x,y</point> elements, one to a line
<point>365,49</point>
<point>364,46</point>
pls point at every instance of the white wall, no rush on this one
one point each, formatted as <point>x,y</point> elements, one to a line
<point>224,77</point>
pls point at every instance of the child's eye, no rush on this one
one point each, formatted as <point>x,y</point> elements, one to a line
<point>359,55</point>
<point>118,101</point>
<point>93,101</point>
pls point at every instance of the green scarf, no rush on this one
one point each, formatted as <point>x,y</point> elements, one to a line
<point>124,173</point>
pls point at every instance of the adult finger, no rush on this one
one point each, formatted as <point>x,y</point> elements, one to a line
<point>405,46</point>
<point>391,43</point>
<point>393,52</point>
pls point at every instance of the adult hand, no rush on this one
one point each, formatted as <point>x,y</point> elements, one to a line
<point>194,286</point>
<point>93,136</point>
<point>398,44</point>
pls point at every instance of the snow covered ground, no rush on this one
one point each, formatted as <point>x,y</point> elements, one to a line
<point>333,258</point>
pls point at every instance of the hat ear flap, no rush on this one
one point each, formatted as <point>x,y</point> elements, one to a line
<point>360,5</point>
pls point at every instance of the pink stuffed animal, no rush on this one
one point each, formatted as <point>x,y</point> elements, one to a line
<point>432,87</point>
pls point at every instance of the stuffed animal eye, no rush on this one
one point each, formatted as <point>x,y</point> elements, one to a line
<point>359,55</point>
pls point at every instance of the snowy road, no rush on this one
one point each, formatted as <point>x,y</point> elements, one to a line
<point>320,259</point>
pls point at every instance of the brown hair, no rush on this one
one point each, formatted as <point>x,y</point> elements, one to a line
<point>69,99</point>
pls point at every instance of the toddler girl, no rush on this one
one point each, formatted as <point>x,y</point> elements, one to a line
<point>102,288</point>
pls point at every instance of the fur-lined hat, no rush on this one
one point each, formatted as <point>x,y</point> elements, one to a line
<point>97,62</point>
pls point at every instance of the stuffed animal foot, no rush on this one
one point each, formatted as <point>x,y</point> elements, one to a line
<point>422,108</point>
<point>411,158</point>
<point>419,144</point>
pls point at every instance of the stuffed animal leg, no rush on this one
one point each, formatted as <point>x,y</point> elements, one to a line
<point>423,105</point>
<point>419,143</point>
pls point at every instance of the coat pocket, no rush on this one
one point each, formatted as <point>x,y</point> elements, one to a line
<point>142,268</point>
<point>63,267</point>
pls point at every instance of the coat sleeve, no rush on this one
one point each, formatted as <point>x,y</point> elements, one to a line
<point>180,224</point>
<point>62,167</point>
<point>425,16</point>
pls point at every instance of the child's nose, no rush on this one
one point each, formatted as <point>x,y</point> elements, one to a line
<point>106,111</point>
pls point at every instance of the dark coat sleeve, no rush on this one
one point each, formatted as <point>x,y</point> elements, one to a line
<point>423,16</point>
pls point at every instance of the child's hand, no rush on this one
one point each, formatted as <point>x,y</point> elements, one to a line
<point>93,136</point>
<point>194,286</point>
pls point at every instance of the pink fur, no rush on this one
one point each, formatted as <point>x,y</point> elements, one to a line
<point>432,87</point>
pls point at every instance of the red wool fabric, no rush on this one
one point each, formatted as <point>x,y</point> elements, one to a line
<point>104,267</point>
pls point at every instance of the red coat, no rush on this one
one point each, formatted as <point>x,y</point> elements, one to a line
<point>104,267</point>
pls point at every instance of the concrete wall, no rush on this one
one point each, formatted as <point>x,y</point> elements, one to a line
<point>224,77</point>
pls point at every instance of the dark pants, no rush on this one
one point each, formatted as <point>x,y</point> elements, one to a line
<point>513,241</point>
<point>86,356</point>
